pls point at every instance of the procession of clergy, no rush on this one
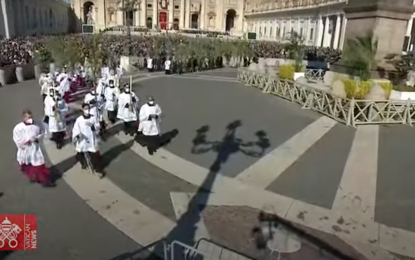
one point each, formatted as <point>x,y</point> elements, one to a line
<point>89,128</point>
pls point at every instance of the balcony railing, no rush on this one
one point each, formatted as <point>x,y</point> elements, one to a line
<point>291,4</point>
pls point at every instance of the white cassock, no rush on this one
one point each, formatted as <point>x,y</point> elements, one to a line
<point>149,127</point>
<point>28,153</point>
<point>105,71</point>
<point>102,85</point>
<point>56,120</point>
<point>95,109</point>
<point>42,79</point>
<point>88,140</point>
<point>64,83</point>
<point>111,98</point>
<point>124,113</point>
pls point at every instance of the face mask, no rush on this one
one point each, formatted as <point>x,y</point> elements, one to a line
<point>111,86</point>
<point>29,121</point>
<point>86,111</point>
<point>127,91</point>
<point>151,103</point>
<point>93,92</point>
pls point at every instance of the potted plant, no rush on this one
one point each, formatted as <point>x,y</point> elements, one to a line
<point>295,49</point>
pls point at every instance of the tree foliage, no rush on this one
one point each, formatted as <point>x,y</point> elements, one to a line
<point>359,55</point>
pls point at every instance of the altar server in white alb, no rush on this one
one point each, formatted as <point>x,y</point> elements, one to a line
<point>85,135</point>
<point>26,136</point>
<point>96,102</point>
<point>55,112</point>
<point>167,66</point>
<point>47,83</point>
<point>149,127</point>
<point>127,110</point>
<point>111,102</point>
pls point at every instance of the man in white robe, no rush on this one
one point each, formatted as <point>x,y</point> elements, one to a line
<point>26,136</point>
<point>44,88</point>
<point>127,110</point>
<point>167,66</point>
<point>55,111</point>
<point>102,84</point>
<point>150,66</point>
<point>85,135</point>
<point>111,101</point>
<point>149,127</point>
<point>96,102</point>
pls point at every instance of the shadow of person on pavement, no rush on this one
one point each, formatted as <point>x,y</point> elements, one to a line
<point>186,227</point>
<point>163,140</point>
<point>115,152</point>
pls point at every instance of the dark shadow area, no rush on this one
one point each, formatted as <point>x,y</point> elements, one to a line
<point>1,194</point>
<point>164,139</point>
<point>5,254</point>
<point>114,152</point>
<point>186,227</point>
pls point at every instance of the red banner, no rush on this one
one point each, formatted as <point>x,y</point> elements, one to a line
<point>163,20</point>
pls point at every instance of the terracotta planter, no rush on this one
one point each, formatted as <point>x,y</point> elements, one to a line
<point>7,75</point>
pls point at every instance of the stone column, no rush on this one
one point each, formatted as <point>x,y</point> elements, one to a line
<point>181,18</point>
<point>337,32</point>
<point>344,24</point>
<point>137,16</point>
<point>155,16</point>
<point>307,32</point>
<point>120,17</point>
<point>409,27</point>
<point>187,15</point>
<point>143,13</point>
<point>320,31</point>
<point>326,37</point>
<point>171,15</point>
<point>203,14</point>
<point>385,18</point>
<point>5,18</point>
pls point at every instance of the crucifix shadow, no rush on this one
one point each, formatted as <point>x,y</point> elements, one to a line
<point>187,225</point>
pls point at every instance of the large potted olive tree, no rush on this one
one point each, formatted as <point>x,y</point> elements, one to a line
<point>295,50</point>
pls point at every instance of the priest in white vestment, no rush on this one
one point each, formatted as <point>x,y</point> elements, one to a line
<point>85,135</point>
<point>26,136</point>
<point>149,126</point>
<point>127,110</point>
<point>55,112</point>
<point>111,101</point>
<point>97,104</point>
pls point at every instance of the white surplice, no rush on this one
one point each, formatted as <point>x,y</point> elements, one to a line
<point>124,113</point>
<point>102,85</point>
<point>149,127</point>
<point>56,119</point>
<point>95,109</point>
<point>88,140</point>
<point>111,98</point>
<point>28,153</point>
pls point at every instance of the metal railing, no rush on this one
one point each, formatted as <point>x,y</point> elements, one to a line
<point>176,250</point>
<point>351,112</point>
<point>316,75</point>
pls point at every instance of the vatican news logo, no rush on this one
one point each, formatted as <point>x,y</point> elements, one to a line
<point>18,232</point>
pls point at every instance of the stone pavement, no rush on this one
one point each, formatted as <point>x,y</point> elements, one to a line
<point>248,149</point>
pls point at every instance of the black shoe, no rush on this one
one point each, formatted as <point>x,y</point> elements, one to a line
<point>59,146</point>
<point>84,167</point>
<point>150,152</point>
<point>49,185</point>
<point>101,174</point>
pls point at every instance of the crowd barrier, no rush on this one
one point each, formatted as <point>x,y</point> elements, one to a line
<point>16,73</point>
<point>351,112</point>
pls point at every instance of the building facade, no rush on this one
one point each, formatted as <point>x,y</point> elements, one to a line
<point>28,17</point>
<point>322,23</point>
<point>214,15</point>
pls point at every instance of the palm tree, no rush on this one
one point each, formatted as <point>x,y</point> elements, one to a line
<point>359,55</point>
<point>295,49</point>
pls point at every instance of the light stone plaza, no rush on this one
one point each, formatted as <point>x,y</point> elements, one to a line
<point>207,129</point>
